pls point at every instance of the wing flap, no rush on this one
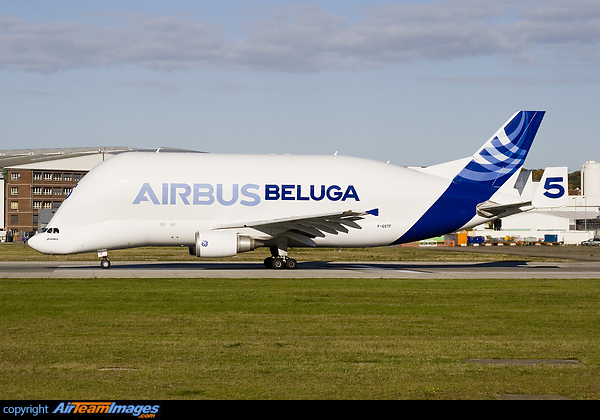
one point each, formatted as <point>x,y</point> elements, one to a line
<point>304,240</point>
<point>308,230</point>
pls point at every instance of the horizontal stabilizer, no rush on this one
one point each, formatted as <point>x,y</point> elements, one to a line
<point>490,209</point>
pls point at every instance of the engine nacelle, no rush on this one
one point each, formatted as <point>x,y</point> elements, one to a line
<point>221,243</point>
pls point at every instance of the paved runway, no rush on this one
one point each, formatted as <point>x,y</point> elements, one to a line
<point>228,269</point>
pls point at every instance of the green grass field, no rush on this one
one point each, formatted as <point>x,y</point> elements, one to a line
<point>296,339</point>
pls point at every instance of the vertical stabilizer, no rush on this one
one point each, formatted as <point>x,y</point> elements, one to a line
<point>484,173</point>
<point>504,153</point>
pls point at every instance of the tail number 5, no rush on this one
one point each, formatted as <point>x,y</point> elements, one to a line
<point>554,184</point>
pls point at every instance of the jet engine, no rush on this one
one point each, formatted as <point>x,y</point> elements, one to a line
<point>212,244</point>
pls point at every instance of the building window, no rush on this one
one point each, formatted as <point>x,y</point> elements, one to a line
<point>68,191</point>
<point>47,191</point>
<point>58,176</point>
<point>37,176</point>
<point>37,190</point>
<point>67,177</point>
<point>14,176</point>
<point>14,191</point>
<point>47,176</point>
<point>14,205</point>
<point>14,219</point>
<point>76,177</point>
<point>47,205</point>
<point>56,204</point>
<point>37,205</point>
<point>57,191</point>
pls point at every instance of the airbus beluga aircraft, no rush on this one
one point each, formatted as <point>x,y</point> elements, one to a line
<point>220,205</point>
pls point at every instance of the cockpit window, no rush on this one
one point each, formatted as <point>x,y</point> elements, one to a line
<point>50,230</point>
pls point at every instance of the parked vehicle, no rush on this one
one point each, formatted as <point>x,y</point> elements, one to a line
<point>592,242</point>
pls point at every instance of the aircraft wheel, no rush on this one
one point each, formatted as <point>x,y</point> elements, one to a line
<point>269,262</point>
<point>291,263</point>
<point>105,263</point>
<point>278,263</point>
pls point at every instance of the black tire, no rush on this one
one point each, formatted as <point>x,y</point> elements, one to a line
<point>268,262</point>
<point>278,263</point>
<point>291,264</point>
<point>105,263</point>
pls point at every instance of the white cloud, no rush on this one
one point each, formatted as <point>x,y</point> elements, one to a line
<point>307,38</point>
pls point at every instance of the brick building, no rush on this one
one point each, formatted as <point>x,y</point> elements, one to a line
<point>30,190</point>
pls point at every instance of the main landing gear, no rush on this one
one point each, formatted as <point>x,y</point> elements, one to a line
<point>280,262</point>
<point>105,263</point>
<point>279,258</point>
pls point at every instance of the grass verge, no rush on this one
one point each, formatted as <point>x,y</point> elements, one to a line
<point>296,339</point>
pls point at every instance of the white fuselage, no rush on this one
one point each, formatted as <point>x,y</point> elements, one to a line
<point>141,199</point>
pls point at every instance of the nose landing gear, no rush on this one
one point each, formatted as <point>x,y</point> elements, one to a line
<point>105,263</point>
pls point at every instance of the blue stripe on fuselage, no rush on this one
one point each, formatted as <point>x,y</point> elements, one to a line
<point>451,211</point>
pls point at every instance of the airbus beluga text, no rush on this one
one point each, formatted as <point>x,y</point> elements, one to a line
<point>219,205</point>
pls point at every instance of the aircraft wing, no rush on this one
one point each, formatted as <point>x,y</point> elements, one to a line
<point>490,209</point>
<point>304,229</point>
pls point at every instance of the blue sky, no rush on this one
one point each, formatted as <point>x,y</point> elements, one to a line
<point>415,83</point>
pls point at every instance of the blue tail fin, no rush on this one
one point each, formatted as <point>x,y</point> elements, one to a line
<point>503,154</point>
<point>489,168</point>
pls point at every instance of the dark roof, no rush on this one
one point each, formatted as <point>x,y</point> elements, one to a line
<point>9,158</point>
